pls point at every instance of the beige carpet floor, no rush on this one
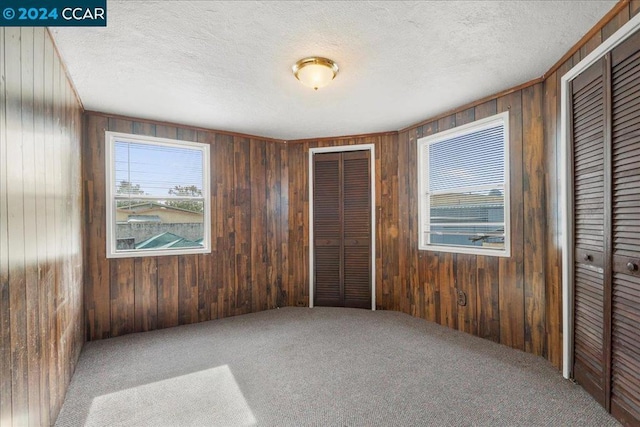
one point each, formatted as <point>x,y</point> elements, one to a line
<point>319,367</point>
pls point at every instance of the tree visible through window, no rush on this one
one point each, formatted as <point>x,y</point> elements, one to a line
<point>158,193</point>
<point>463,176</point>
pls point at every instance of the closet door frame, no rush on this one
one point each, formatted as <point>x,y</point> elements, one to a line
<point>372,174</point>
<point>566,185</point>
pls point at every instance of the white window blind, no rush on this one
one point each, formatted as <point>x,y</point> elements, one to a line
<point>463,177</point>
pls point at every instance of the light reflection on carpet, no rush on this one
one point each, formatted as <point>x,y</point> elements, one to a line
<point>177,401</point>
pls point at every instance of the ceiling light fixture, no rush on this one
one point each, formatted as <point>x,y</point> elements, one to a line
<point>315,72</point>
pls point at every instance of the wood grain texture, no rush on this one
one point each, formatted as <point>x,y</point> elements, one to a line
<point>41,328</point>
<point>534,221</point>
<point>621,18</point>
<point>5,321</point>
<point>553,256</point>
<point>512,269</point>
<point>590,45</point>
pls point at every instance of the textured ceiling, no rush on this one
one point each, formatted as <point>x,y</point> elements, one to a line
<point>227,65</point>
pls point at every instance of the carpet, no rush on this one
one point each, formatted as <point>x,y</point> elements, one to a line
<point>319,367</point>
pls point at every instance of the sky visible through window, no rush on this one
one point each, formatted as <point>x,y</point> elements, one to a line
<point>157,168</point>
<point>468,160</point>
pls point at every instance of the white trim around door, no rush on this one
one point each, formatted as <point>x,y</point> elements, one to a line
<point>566,185</point>
<point>372,166</point>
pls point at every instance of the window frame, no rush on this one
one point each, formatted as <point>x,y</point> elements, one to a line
<point>424,217</point>
<point>110,142</point>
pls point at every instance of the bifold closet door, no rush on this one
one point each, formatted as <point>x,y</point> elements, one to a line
<point>342,229</point>
<point>588,125</point>
<point>605,127</point>
<point>625,342</point>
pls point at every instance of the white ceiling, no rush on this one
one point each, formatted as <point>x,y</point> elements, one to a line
<point>227,65</point>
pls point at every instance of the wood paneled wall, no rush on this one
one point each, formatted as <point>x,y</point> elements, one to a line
<point>505,296</point>
<point>244,273</point>
<point>41,326</point>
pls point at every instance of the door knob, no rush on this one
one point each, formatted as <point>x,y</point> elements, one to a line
<point>586,257</point>
<point>631,266</point>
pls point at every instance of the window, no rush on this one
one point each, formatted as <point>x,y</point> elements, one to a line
<point>157,196</point>
<point>463,178</point>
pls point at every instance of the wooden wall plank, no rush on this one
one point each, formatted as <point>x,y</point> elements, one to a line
<point>5,325</point>
<point>400,228</point>
<point>242,295</point>
<point>188,289</point>
<point>168,291</point>
<point>296,224</point>
<point>273,254</point>
<point>53,224</point>
<point>446,286</point>
<point>303,293</point>
<point>634,8</point>
<point>284,225</point>
<point>512,269</point>
<point>146,294</point>
<point>591,44</point>
<point>488,302</point>
<point>98,314</point>
<point>465,270</point>
<point>391,259</point>
<point>409,184</point>
<point>122,271</point>
<point>226,279</point>
<point>30,182</point>
<point>205,287</point>
<point>553,272</point>
<point>378,231</point>
<point>121,277</point>
<point>55,323</point>
<point>41,67</point>
<point>534,221</point>
<point>614,24</point>
<point>257,237</point>
<point>15,224</point>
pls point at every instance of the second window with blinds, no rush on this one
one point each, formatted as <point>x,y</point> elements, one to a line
<point>463,180</point>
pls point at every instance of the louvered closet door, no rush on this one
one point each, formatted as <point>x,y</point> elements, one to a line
<point>625,344</point>
<point>342,229</point>
<point>588,131</point>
